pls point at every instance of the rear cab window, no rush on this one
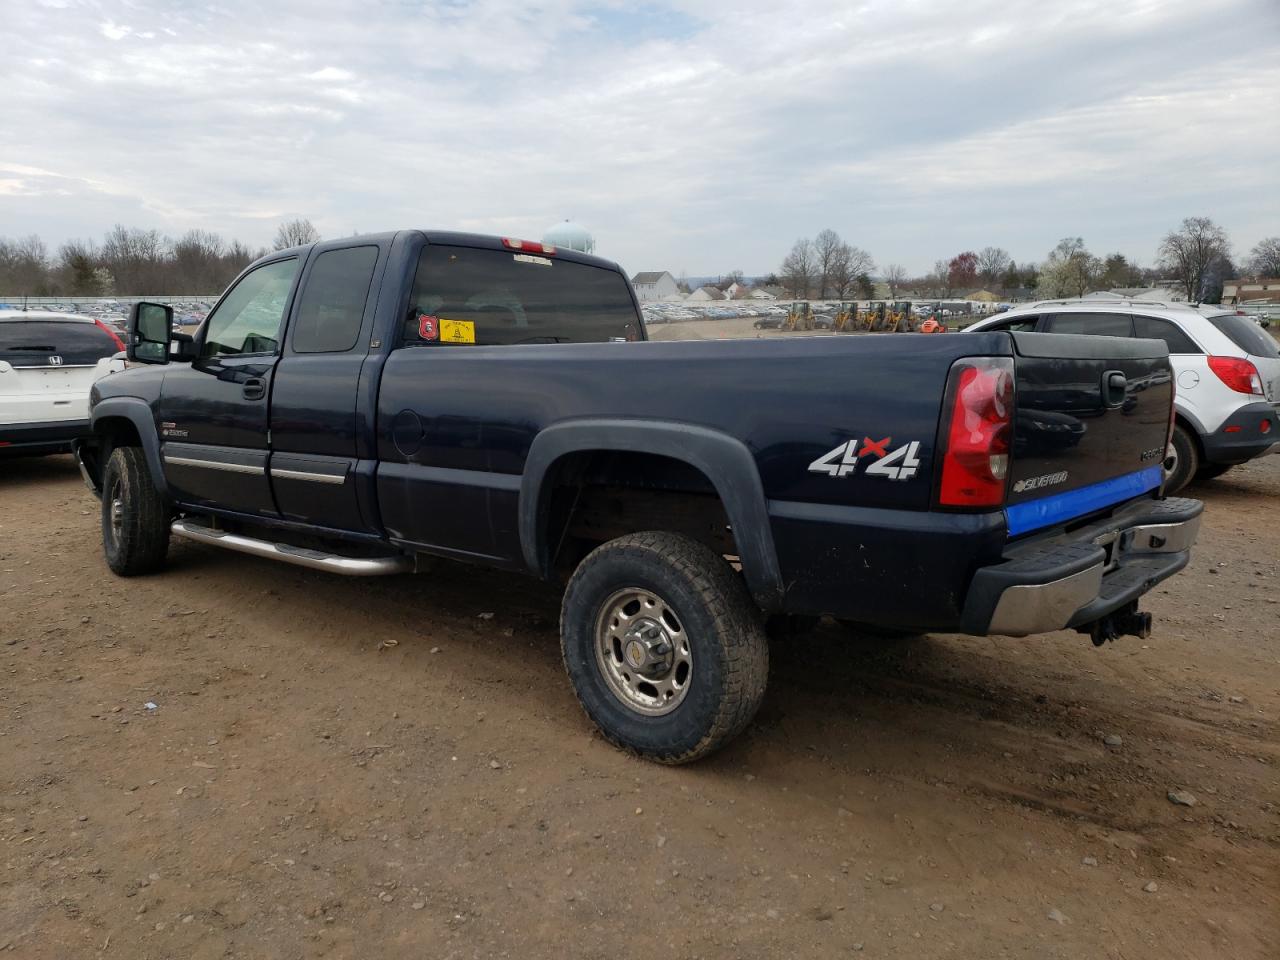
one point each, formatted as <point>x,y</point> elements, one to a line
<point>331,308</point>
<point>465,295</point>
<point>1246,335</point>
<point>47,343</point>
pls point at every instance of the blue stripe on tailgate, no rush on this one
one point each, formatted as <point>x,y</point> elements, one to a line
<point>1060,507</point>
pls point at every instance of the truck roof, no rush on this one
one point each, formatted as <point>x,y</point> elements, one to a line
<point>451,237</point>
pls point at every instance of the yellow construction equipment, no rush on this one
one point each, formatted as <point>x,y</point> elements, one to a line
<point>799,317</point>
<point>873,318</point>
<point>846,316</point>
<point>901,319</point>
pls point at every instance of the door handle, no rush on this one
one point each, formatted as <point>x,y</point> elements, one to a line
<point>1115,388</point>
<point>255,388</point>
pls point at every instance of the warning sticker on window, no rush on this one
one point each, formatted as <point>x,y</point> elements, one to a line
<point>457,331</point>
<point>428,328</point>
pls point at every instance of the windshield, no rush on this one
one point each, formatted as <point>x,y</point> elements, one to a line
<point>1246,335</point>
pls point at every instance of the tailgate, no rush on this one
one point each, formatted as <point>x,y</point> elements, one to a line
<point>1090,426</point>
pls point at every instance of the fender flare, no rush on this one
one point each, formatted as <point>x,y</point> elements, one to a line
<point>137,412</point>
<point>723,459</point>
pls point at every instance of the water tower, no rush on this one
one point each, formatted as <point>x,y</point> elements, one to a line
<point>571,236</point>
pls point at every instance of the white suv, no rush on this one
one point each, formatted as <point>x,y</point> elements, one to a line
<point>48,363</point>
<point>1227,368</point>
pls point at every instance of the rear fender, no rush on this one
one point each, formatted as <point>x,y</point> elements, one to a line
<point>722,459</point>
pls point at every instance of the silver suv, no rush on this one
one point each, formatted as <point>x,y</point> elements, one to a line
<point>1227,369</point>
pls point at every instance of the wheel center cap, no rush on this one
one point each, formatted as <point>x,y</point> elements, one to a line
<point>635,654</point>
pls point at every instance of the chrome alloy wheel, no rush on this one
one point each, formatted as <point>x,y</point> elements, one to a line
<point>642,652</point>
<point>117,512</point>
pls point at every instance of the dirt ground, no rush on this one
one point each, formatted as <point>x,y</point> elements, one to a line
<point>304,788</point>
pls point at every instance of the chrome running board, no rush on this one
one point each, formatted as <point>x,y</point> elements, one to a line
<point>299,556</point>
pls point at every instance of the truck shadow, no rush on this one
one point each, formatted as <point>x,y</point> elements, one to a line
<point>17,472</point>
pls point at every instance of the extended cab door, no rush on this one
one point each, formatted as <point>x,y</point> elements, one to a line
<point>212,415</point>
<point>315,469</point>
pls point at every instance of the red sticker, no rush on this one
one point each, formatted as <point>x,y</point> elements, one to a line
<point>428,328</point>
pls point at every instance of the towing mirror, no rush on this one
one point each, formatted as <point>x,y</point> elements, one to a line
<point>150,332</point>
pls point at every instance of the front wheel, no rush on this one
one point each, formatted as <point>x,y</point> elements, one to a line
<point>664,647</point>
<point>1183,462</point>
<point>135,520</point>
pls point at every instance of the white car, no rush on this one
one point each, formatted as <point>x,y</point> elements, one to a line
<point>1227,368</point>
<point>48,363</point>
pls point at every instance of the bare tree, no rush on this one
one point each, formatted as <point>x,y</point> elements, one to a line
<point>24,266</point>
<point>993,263</point>
<point>827,254</point>
<point>797,272</point>
<point>939,279</point>
<point>197,262</point>
<point>1264,259</point>
<point>295,233</point>
<point>1188,253</point>
<point>895,275</point>
<point>77,269</point>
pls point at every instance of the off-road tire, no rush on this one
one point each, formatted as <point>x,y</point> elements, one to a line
<point>725,630</point>
<point>1188,460</point>
<point>139,540</point>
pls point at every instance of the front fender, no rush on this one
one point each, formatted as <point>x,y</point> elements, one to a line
<point>138,413</point>
<point>722,459</point>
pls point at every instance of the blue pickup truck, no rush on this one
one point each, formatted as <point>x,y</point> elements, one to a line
<point>360,405</point>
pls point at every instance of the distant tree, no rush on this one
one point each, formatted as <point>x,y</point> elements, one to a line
<point>78,269</point>
<point>295,233</point>
<point>135,259</point>
<point>24,267</point>
<point>770,280</point>
<point>1070,270</point>
<point>993,263</point>
<point>1117,271</point>
<point>1219,272</point>
<point>1012,278</point>
<point>962,271</point>
<point>866,288</point>
<point>939,279</point>
<point>827,260</point>
<point>682,284</point>
<point>198,263</point>
<point>797,271</point>
<point>1264,259</point>
<point>1188,252</point>
<point>729,279</point>
<point>850,263</point>
<point>895,275</point>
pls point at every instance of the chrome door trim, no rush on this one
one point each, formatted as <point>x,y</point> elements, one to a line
<point>283,474</point>
<point>215,465</point>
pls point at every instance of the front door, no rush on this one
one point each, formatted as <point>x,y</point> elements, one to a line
<point>213,415</point>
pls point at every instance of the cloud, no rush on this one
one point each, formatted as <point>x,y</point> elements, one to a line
<point>686,135</point>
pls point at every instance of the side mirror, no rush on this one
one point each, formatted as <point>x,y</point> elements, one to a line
<point>150,332</point>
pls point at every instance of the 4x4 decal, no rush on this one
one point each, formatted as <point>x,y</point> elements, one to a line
<point>897,464</point>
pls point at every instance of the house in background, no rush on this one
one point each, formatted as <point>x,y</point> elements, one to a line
<point>655,286</point>
<point>764,293</point>
<point>706,293</point>
<point>1251,290</point>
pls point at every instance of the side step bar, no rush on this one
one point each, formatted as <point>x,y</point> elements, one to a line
<point>300,556</point>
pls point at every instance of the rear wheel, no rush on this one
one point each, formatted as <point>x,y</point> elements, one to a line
<point>665,649</point>
<point>135,520</point>
<point>1183,463</point>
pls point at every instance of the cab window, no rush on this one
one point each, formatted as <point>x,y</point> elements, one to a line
<point>331,307</point>
<point>1019,325</point>
<point>248,319</point>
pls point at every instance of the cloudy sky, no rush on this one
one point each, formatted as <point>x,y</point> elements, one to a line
<point>685,136</point>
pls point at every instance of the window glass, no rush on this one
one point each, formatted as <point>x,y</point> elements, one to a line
<point>1153,328</point>
<point>1095,324</point>
<point>1021,325</point>
<point>332,304</point>
<point>249,317</point>
<point>30,343</point>
<point>1246,335</point>
<point>464,295</point>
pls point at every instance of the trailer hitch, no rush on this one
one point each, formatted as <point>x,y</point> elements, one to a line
<point>1125,622</point>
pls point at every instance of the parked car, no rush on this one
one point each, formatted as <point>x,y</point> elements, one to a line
<point>772,322</point>
<point>48,363</point>
<point>495,401</point>
<point>1228,374</point>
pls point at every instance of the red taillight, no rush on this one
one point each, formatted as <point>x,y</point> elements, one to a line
<point>1266,426</point>
<point>110,333</point>
<point>975,460</point>
<point>1240,375</point>
<point>529,246</point>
